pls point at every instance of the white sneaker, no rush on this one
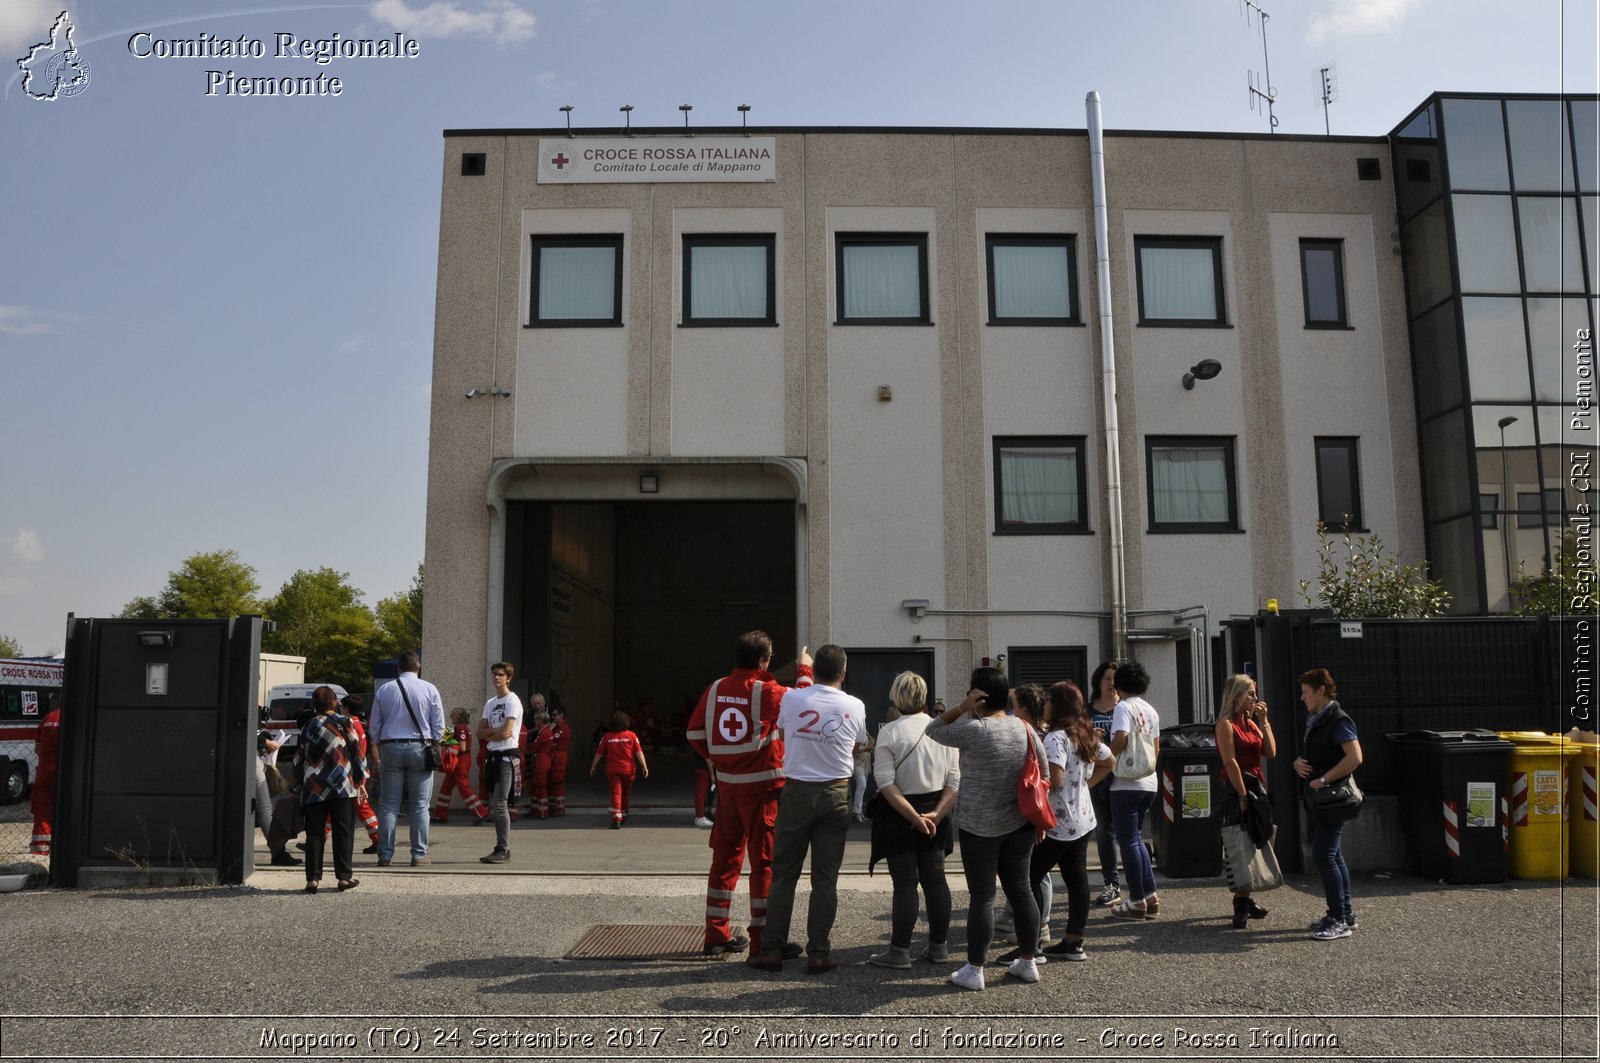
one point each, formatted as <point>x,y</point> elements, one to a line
<point>970,977</point>
<point>703,823</point>
<point>1024,970</point>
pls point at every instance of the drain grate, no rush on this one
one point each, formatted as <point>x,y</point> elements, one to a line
<point>634,941</point>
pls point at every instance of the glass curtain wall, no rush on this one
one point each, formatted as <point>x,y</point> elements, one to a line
<point>1497,201</point>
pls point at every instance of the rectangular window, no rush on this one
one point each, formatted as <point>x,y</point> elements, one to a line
<point>1033,279</point>
<point>1322,282</point>
<point>1532,514</point>
<point>1040,485</point>
<point>882,278</point>
<point>1191,484</point>
<point>1488,510</point>
<point>1180,281</point>
<point>729,280</point>
<point>577,281</point>
<point>1339,483</point>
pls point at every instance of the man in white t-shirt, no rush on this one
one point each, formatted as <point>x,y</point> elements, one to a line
<point>498,731</point>
<point>822,727</point>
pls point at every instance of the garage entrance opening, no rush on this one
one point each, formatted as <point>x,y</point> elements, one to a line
<point>636,605</point>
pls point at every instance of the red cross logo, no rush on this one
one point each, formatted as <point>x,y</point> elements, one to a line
<point>559,160</point>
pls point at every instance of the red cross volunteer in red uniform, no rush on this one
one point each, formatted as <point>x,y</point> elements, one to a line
<point>734,727</point>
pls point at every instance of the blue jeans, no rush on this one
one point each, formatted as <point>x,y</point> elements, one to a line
<point>403,773</point>
<point>1127,813</point>
<point>1329,858</point>
<point>1105,841</point>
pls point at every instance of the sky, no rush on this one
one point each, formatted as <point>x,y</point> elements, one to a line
<point>216,313</point>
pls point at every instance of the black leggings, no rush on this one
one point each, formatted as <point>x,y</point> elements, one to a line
<point>982,859</point>
<point>1073,859</point>
<point>908,870</point>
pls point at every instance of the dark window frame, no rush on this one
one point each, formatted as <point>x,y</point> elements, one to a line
<point>556,240</point>
<point>1066,241</point>
<point>1352,446</point>
<point>1211,243</point>
<point>1488,510</point>
<point>694,240</point>
<point>1543,516</point>
<point>919,240</point>
<point>1342,322</point>
<point>1077,527</point>
<point>1228,445</point>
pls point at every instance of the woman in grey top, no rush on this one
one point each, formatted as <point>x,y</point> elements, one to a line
<point>995,837</point>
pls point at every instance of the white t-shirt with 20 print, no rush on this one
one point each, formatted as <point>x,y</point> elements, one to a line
<point>821,726</point>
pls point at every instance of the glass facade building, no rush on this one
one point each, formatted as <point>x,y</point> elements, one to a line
<point>1497,204</point>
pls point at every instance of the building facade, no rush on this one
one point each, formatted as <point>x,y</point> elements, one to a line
<point>847,385</point>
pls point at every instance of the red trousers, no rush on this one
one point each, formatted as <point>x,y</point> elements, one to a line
<point>745,820</point>
<point>621,791</point>
<point>539,786</point>
<point>558,784</point>
<point>44,813</point>
<point>702,791</point>
<point>459,782</point>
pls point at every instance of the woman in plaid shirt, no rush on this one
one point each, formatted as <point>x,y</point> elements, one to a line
<point>330,773</point>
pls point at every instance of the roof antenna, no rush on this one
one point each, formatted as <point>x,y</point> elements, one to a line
<point>1261,92</point>
<point>1328,75</point>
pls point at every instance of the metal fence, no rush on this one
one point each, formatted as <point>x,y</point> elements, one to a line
<point>16,817</point>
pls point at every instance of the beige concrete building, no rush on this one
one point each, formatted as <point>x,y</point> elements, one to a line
<point>847,386</point>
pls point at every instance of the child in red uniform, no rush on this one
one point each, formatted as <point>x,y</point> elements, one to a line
<point>620,750</point>
<point>458,777</point>
<point>561,742</point>
<point>539,766</point>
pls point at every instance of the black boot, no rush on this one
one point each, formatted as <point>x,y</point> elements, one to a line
<point>1241,912</point>
<point>1256,911</point>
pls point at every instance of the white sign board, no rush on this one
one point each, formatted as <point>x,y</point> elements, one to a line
<point>1349,630</point>
<point>635,160</point>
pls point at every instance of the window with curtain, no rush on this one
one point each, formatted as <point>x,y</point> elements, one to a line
<point>1322,283</point>
<point>882,278</point>
<point>577,281</point>
<point>1040,485</point>
<point>1032,279</point>
<point>1191,484</point>
<point>729,280</point>
<point>1180,280</point>
<point>1339,483</point>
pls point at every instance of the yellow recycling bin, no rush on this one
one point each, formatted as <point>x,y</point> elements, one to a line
<point>1585,809</point>
<point>1538,789</point>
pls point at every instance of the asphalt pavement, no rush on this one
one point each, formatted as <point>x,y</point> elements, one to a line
<point>460,960</point>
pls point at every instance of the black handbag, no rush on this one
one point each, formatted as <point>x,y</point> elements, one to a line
<point>432,755</point>
<point>1336,802</point>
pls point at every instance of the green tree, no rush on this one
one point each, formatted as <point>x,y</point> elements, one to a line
<point>10,647</point>
<point>320,616</point>
<point>1566,589</point>
<point>400,619</point>
<point>206,586</point>
<point>1370,583</point>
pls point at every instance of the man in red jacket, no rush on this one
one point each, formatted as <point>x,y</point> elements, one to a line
<point>48,748</point>
<point>734,727</point>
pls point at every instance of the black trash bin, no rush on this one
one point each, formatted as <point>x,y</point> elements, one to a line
<point>1189,790</point>
<point>1452,804</point>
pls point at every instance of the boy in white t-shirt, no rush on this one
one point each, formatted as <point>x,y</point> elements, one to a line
<point>498,731</point>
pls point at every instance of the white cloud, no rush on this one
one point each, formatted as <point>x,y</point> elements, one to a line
<point>26,321</point>
<point>353,343</point>
<point>1354,18</point>
<point>26,23</point>
<point>500,20</point>
<point>25,546</point>
<point>14,585</point>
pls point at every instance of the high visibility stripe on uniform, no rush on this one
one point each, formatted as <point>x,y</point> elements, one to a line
<point>757,920</point>
<point>750,776</point>
<point>714,743</point>
<point>692,735</point>
<point>758,902</point>
<point>716,913</point>
<point>725,894</point>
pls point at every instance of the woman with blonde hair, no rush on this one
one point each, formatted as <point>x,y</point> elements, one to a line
<point>917,783</point>
<point>1244,740</point>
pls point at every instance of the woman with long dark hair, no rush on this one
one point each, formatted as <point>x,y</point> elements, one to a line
<point>330,774</point>
<point>996,838</point>
<point>1132,798</point>
<point>1078,760</point>
<point>1103,700</point>
<point>1332,752</point>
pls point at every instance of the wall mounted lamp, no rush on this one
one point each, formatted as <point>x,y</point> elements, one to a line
<point>649,483</point>
<point>497,392</point>
<point>156,639</point>
<point>916,608</point>
<point>1205,369</point>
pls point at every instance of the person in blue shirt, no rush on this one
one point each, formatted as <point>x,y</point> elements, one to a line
<point>1332,752</point>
